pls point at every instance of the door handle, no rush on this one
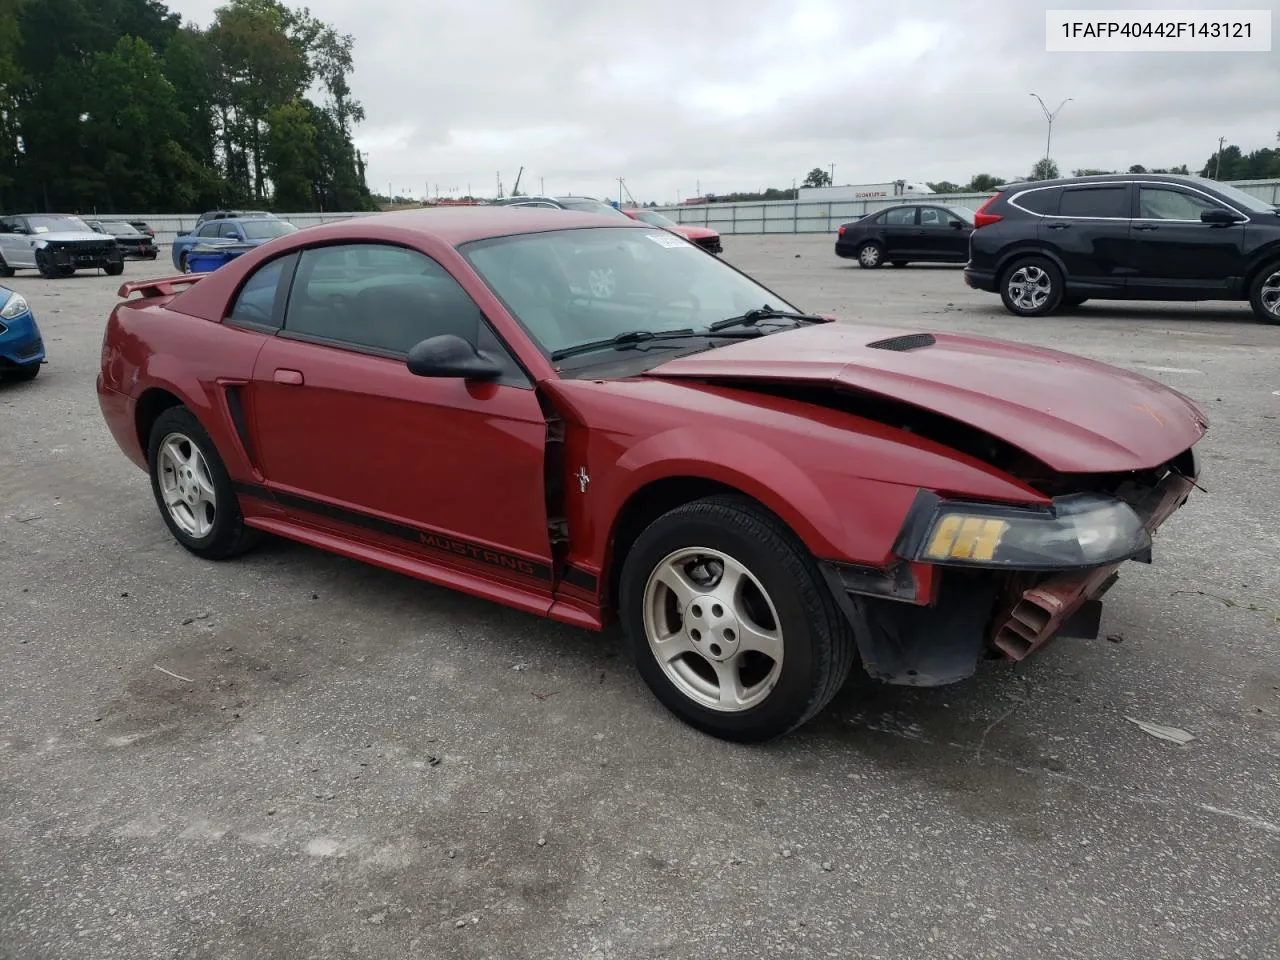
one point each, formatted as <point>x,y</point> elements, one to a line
<point>1059,226</point>
<point>1146,226</point>
<point>292,377</point>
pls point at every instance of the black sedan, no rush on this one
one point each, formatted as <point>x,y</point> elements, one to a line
<point>133,243</point>
<point>916,232</point>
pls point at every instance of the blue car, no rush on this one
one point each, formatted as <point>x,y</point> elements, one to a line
<point>21,346</point>
<point>253,231</point>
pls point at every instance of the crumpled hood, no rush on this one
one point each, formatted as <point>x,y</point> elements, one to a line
<point>1073,414</point>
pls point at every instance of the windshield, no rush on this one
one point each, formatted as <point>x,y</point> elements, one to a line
<point>570,287</point>
<point>56,224</point>
<point>266,229</point>
<point>1246,201</point>
<point>591,206</point>
<point>118,227</point>
<point>657,219</point>
<point>964,213</point>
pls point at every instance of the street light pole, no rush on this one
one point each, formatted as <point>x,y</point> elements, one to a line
<point>1050,117</point>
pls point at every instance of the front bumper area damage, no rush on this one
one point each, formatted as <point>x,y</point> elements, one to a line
<point>923,625</point>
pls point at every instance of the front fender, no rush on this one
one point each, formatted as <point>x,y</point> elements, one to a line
<point>835,516</point>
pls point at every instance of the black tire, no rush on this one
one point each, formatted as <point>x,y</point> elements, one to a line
<point>819,643</point>
<point>871,255</point>
<point>228,536</point>
<point>46,268</point>
<point>1264,293</point>
<point>1035,268</point>
<point>28,372</point>
<point>5,269</point>
<point>114,269</point>
<point>183,265</point>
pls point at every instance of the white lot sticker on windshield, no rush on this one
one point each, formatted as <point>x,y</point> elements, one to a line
<point>42,229</point>
<point>667,240</point>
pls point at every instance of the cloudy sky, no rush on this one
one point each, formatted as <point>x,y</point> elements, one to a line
<point>730,95</point>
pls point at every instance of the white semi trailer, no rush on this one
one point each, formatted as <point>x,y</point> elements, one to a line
<point>866,191</point>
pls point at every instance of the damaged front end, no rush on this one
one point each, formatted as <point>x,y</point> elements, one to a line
<point>978,579</point>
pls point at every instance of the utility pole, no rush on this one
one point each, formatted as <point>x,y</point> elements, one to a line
<point>1217,171</point>
<point>1050,117</point>
<point>832,174</point>
<point>542,187</point>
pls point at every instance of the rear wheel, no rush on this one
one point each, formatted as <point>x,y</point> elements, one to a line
<point>114,269</point>
<point>870,255</point>
<point>1031,287</point>
<point>28,372</point>
<point>1264,294</point>
<point>730,622</point>
<point>193,490</point>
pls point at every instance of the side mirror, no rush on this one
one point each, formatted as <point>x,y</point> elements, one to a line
<point>1218,217</point>
<point>957,224</point>
<point>448,355</point>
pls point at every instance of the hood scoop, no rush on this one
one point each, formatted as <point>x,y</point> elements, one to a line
<point>908,341</point>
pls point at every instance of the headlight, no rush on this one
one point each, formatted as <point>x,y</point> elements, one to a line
<point>15,306</point>
<point>41,244</point>
<point>1080,530</point>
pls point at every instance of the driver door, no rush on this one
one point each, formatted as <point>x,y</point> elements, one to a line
<point>355,444</point>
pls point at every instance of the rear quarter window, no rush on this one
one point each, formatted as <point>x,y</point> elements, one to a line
<point>1042,202</point>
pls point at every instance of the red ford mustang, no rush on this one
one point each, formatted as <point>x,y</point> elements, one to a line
<point>704,237</point>
<point>760,496</point>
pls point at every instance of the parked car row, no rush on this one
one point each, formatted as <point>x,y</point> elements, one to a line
<point>701,236</point>
<point>1049,245</point>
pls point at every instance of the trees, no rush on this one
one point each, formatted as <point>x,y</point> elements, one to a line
<point>115,105</point>
<point>1044,169</point>
<point>817,177</point>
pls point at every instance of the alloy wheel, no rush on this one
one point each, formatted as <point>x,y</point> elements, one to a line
<point>186,485</point>
<point>713,629</point>
<point>1269,295</point>
<point>1029,287</point>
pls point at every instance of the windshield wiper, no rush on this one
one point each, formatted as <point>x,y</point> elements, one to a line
<point>622,340</point>
<point>754,316</point>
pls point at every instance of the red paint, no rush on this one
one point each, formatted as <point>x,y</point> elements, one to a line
<point>445,480</point>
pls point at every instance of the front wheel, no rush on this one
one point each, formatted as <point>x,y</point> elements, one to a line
<point>114,269</point>
<point>731,623</point>
<point>193,490</point>
<point>1032,287</point>
<point>1264,294</point>
<point>183,264</point>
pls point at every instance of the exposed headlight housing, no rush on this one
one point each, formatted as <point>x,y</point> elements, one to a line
<point>15,306</point>
<point>1076,531</point>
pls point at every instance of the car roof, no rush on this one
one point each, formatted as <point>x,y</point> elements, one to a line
<point>1187,179</point>
<point>458,225</point>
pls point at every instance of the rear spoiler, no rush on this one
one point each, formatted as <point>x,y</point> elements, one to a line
<point>162,287</point>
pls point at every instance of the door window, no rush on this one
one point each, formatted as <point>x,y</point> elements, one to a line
<point>208,230</point>
<point>384,299</point>
<point>899,217</point>
<point>934,217</point>
<point>1166,203</point>
<point>228,231</point>
<point>1100,202</point>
